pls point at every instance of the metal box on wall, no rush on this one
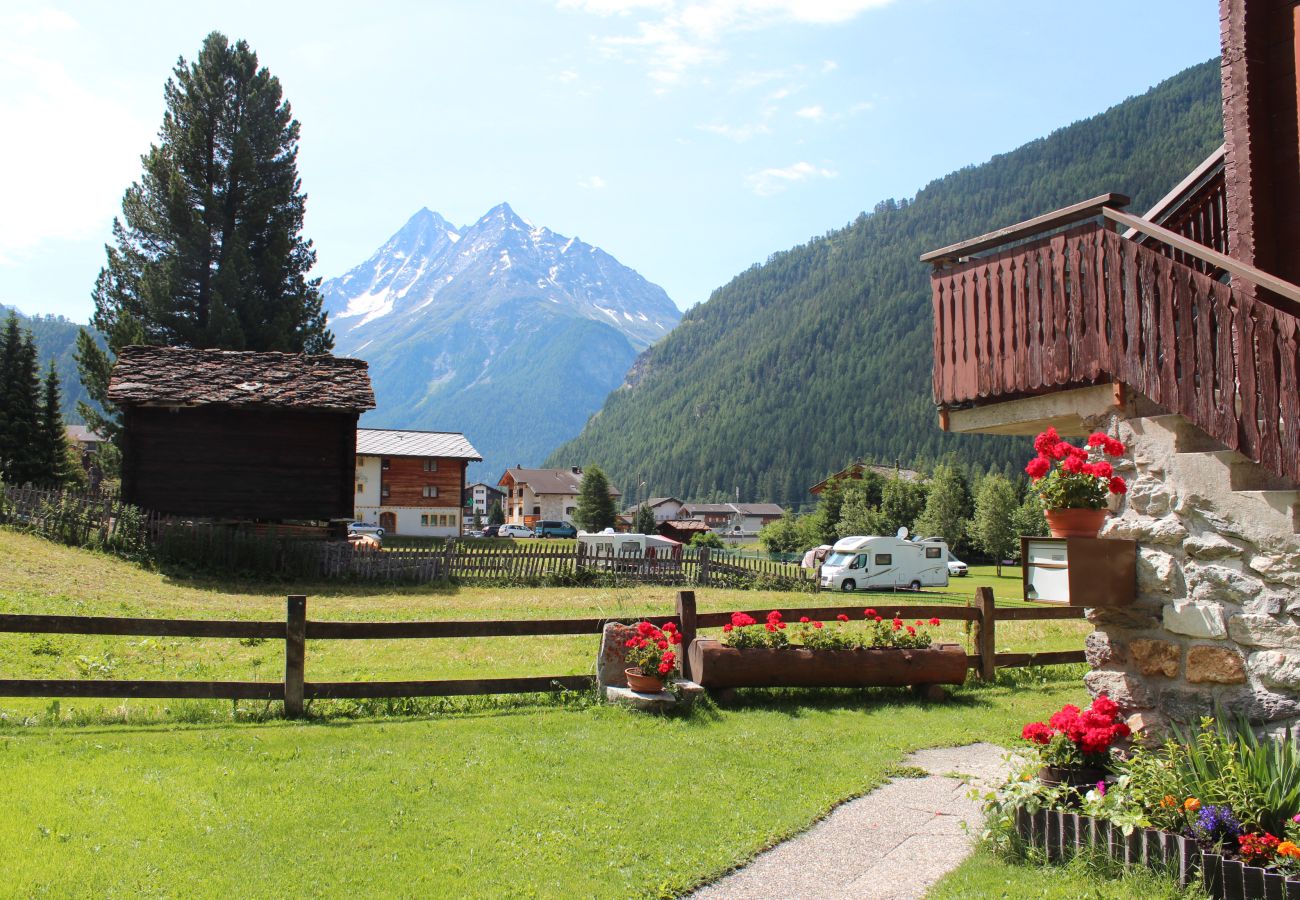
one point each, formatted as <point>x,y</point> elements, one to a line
<point>1079,571</point>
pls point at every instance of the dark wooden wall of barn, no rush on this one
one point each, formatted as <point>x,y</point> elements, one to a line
<point>240,463</point>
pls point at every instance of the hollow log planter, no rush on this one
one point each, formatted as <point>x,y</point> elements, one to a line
<point>719,667</point>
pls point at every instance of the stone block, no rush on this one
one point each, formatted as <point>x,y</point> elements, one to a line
<point>1158,572</point>
<point>1269,603</point>
<point>1280,565</point>
<point>684,693</point>
<point>1125,689</point>
<point>1264,631</point>
<point>1202,620</point>
<point>1155,657</point>
<point>1207,664</point>
<point>1220,583</point>
<point>1139,617</point>
<point>1148,727</point>
<point>1276,668</point>
<point>1210,546</point>
<point>1100,649</point>
<point>1149,496</point>
<point>1166,531</point>
<point>612,659</point>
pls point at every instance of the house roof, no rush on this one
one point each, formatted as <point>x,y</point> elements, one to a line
<point>685,525</point>
<point>659,501</point>
<point>550,481</point>
<point>484,484</point>
<point>744,509</point>
<point>856,469</point>
<point>83,435</point>
<point>186,376</point>
<point>391,442</point>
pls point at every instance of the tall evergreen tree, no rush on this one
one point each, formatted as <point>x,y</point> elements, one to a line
<point>645,520</point>
<point>209,250</point>
<point>20,460</point>
<point>496,515</point>
<point>595,510</point>
<point>52,446</point>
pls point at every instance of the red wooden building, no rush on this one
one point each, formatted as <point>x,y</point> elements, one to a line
<point>232,435</point>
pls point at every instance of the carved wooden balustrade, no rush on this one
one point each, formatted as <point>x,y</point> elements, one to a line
<point>1075,304</point>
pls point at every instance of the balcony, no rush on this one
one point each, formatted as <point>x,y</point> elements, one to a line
<point>1094,301</point>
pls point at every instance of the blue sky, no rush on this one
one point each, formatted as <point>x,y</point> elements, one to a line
<point>689,138</point>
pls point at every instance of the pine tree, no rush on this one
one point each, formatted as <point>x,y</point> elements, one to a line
<point>993,527</point>
<point>52,445</point>
<point>595,511</point>
<point>496,515</point>
<point>645,520</point>
<point>209,251</point>
<point>20,460</point>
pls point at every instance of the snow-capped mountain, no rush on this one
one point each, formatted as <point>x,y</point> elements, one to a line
<point>504,330</point>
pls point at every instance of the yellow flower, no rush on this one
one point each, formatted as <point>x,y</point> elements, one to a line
<point>1191,804</point>
<point>1288,848</point>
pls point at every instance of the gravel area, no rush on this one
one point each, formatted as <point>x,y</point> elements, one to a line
<point>895,842</point>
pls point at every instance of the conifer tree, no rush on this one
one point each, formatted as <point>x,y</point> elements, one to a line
<point>209,251</point>
<point>595,510</point>
<point>52,446</point>
<point>20,460</point>
<point>496,515</point>
<point>645,520</point>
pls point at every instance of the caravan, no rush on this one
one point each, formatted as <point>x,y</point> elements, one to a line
<point>889,563</point>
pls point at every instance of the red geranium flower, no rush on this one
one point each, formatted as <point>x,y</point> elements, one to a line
<point>770,627</point>
<point>869,613</point>
<point>817,624</point>
<point>1114,447</point>
<point>842,617</point>
<point>934,621</point>
<point>1118,485</point>
<point>1038,467</point>
<point>911,630</point>
<point>1046,441</point>
<point>1098,439</point>
<point>728,627</point>
<point>804,619</point>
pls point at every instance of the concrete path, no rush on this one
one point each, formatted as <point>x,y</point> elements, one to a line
<point>895,842</point>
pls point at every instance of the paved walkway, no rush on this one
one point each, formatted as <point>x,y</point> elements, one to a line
<point>895,842</point>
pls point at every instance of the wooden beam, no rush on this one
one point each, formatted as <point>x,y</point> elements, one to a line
<point>214,690</point>
<point>29,624</point>
<point>1028,228</point>
<point>501,628</point>
<point>1283,289</point>
<point>332,690</point>
<point>295,654</point>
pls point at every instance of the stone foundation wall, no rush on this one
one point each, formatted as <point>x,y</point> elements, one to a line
<point>1217,617</point>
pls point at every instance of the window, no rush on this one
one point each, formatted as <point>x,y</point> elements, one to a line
<point>443,521</point>
<point>884,559</point>
<point>383,491</point>
<point>430,465</point>
<point>537,510</point>
<point>430,490</point>
<point>383,464</point>
<point>932,553</point>
<point>360,487</point>
<point>568,510</point>
<point>424,520</point>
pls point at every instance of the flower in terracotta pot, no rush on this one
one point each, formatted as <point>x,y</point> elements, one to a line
<point>1074,745</point>
<point>1075,482</point>
<point>650,655</point>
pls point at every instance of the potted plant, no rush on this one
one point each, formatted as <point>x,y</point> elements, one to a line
<point>874,651</point>
<point>1075,482</point>
<point>1074,746</point>
<point>651,656</point>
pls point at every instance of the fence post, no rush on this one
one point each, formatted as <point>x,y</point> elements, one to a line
<point>448,557</point>
<point>686,619</point>
<point>295,651</point>
<point>985,633</point>
<point>702,578</point>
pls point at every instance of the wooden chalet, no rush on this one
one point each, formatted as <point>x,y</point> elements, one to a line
<point>856,470</point>
<point>235,435</point>
<point>1190,309</point>
<point>412,482</point>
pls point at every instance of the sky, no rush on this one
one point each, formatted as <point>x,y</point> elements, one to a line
<point>689,138</point>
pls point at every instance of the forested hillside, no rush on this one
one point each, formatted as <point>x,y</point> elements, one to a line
<point>823,353</point>
<point>56,339</point>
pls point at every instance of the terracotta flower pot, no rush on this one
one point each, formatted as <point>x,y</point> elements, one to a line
<point>643,684</point>
<point>1075,522</point>
<point>1079,778</point>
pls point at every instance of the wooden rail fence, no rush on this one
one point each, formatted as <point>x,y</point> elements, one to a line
<point>297,629</point>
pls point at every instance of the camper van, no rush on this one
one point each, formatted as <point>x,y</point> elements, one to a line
<point>646,553</point>
<point>888,563</point>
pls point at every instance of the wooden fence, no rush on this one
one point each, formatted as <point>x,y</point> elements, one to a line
<point>297,629</point>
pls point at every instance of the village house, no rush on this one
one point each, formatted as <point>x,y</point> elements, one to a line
<point>664,509</point>
<point>536,494</point>
<point>1173,331</point>
<point>238,435</point>
<point>479,498</point>
<point>733,518</point>
<point>856,469</point>
<point>412,482</point>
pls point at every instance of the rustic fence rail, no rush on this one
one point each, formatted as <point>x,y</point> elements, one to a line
<point>1086,305</point>
<point>297,629</point>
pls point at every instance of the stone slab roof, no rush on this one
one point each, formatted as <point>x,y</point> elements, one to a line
<point>186,376</point>
<point>392,442</point>
<point>549,481</point>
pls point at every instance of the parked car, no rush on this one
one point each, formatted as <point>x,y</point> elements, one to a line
<point>490,530</point>
<point>514,531</point>
<point>956,566</point>
<point>552,528</point>
<point>365,528</point>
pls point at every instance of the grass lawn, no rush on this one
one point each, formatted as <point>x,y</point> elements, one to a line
<point>985,875</point>
<point>515,797</point>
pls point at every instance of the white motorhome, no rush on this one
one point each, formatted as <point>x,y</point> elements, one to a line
<point>629,552</point>
<point>859,563</point>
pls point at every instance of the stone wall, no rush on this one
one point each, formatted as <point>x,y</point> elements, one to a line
<point>1217,617</point>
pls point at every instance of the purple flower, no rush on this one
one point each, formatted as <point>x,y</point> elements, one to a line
<point>1101,788</point>
<point>1296,818</point>
<point>1215,824</point>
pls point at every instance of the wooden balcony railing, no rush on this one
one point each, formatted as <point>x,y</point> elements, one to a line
<point>1196,209</point>
<point>1087,305</point>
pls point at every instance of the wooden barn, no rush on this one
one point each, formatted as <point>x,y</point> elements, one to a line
<point>235,435</point>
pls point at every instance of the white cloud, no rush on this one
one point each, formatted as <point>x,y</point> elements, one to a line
<point>71,147</point>
<point>568,76</point>
<point>674,36</point>
<point>592,183</point>
<point>772,181</point>
<point>829,66</point>
<point>816,113</point>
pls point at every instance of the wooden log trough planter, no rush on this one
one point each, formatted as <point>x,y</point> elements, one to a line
<point>719,667</point>
<point>1060,835</point>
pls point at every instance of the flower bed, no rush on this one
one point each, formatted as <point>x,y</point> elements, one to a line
<point>877,652</point>
<point>1216,804</point>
